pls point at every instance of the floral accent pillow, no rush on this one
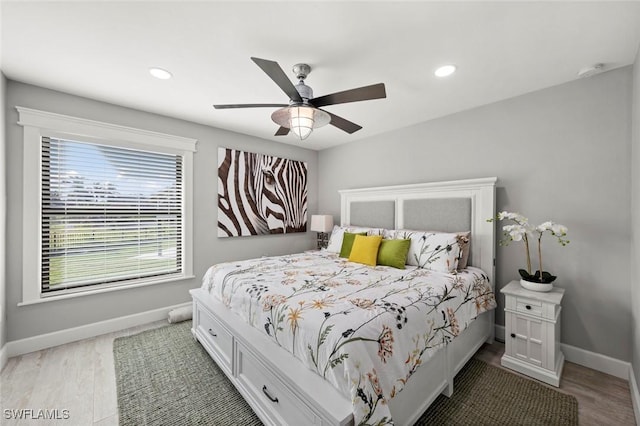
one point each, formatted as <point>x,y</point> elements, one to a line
<point>337,234</point>
<point>464,241</point>
<point>438,251</point>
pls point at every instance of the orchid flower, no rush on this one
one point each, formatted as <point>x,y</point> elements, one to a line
<point>521,231</point>
<point>515,232</point>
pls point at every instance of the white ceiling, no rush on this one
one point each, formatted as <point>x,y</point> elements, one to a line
<point>103,50</point>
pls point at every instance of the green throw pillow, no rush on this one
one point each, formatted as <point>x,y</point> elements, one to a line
<point>347,243</point>
<point>393,253</point>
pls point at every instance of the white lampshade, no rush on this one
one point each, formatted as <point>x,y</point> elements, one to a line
<point>301,119</point>
<point>321,223</point>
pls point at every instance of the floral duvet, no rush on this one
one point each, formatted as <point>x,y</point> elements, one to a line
<point>364,329</point>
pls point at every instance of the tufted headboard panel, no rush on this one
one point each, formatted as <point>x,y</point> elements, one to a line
<point>375,214</point>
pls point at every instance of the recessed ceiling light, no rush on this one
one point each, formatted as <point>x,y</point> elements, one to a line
<point>160,73</point>
<point>445,70</point>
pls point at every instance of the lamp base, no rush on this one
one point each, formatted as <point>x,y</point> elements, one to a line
<point>322,240</point>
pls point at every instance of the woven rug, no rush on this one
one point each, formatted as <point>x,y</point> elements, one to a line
<point>488,395</point>
<point>164,377</point>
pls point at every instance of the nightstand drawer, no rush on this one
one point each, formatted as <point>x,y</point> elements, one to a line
<point>528,306</point>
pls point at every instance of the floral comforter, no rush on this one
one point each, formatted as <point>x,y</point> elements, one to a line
<point>364,329</point>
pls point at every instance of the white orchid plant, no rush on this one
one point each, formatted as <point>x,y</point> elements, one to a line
<point>521,230</point>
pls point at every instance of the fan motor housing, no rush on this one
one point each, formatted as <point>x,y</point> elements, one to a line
<point>305,91</point>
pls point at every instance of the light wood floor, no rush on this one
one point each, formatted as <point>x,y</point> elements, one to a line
<point>79,377</point>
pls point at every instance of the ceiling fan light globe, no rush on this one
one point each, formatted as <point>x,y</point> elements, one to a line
<point>301,132</point>
<point>301,121</point>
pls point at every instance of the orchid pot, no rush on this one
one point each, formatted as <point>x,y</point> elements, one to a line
<point>536,282</point>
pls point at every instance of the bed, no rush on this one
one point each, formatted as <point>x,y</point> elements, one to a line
<point>290,331</point>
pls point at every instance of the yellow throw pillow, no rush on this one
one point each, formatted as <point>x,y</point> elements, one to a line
<point>365,249</point>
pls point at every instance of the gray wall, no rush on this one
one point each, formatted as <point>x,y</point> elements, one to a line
<point>3,214</point>
<point>560,154</point>
<point>47,317</point>
<point>635,225</point>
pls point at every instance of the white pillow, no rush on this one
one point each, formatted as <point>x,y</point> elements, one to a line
<point>390,234</point>
<point>438,251</point>
<point>335,241</point>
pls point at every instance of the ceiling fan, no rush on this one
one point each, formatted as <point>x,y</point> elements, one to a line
<point>303,113</point>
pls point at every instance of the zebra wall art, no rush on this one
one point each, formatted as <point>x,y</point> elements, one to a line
<point>260,194</point>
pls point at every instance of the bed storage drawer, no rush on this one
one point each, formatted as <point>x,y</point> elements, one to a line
<point>253,362</point>
<point>215,338</point>
<point>278,403</point>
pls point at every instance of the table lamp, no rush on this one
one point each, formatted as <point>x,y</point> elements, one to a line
<point>322,224</point>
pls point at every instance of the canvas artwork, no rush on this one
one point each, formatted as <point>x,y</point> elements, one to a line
<point>260,194</point>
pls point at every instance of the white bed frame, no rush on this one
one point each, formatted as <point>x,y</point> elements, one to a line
<point>281,390</point>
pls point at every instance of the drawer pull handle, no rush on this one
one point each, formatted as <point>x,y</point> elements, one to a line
<point>528,306</point>
<point>513,335</point>
<point>212,333</point>
<point>266,392</point>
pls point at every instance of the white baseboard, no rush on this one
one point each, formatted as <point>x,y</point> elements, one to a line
<point>595,361</point>
<point>43,341</point>
<point>635,394</point>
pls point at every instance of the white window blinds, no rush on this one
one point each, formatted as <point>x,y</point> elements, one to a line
<point>109,214</point>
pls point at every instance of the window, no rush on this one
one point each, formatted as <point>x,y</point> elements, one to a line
<point>112,206</point>
<point>109,214</point>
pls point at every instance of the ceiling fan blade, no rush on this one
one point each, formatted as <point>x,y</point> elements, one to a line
<point>343,124</point>
<point>249,106</point>
<point>273,70</point>
<point>375,91</point>
<point>282,131</point>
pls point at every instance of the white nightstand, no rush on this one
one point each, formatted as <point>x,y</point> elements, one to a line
<point>532,332</point>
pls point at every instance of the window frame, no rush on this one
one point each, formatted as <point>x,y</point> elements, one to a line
<point>37,124</point>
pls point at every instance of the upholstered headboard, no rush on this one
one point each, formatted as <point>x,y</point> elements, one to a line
<point>463,205</point>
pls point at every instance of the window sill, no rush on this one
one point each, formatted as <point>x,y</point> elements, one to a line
<point>74,294</point>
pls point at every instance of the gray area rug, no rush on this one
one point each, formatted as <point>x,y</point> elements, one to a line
<point>164,377</point>
<point>487,395</point>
